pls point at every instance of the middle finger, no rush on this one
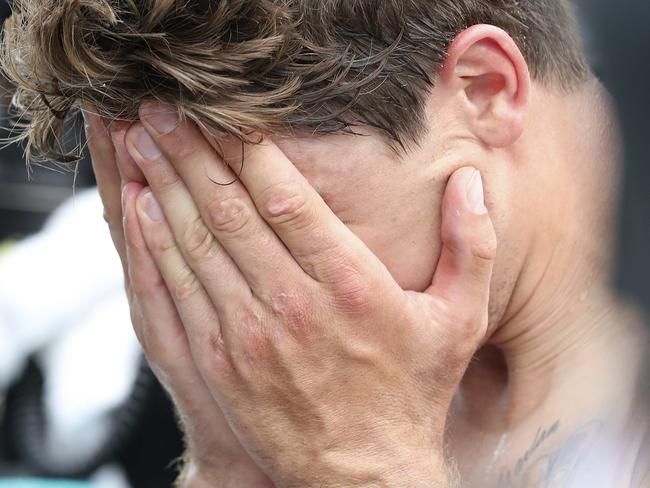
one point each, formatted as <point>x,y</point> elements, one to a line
<point>217,272</point>
<point>227,210</point>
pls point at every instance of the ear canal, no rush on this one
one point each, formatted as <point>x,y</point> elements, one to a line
<point>484,88</point>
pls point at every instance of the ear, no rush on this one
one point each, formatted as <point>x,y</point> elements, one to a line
<point>486,69</point>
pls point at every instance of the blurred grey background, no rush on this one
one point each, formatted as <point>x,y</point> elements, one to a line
<point>618,40</point>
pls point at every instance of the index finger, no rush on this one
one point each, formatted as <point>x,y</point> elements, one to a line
<point>322,244</point>
<point>317,240</point>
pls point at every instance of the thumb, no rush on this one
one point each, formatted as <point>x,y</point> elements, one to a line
<point>462,278</point>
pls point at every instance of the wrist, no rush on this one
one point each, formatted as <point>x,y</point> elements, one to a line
<point>425,471</point>
<point>235,475</point>
<point>430,474</point>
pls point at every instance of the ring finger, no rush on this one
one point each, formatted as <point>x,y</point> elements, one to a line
<point>228,214</point>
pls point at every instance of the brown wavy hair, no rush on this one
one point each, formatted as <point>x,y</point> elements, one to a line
<point>257,65</point>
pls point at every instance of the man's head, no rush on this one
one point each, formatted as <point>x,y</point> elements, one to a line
<point>316,65</point>
<point>377,102</point>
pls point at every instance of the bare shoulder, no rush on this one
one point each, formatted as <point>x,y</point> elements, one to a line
<point>641,475</point>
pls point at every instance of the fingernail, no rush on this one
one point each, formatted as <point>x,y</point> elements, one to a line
<point>163,119</point>
<point>152,208</point>
<point>142,145</point>
<point>476,194</point>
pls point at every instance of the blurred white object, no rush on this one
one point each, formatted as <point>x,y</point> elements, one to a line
<point>62,296</point>
<point>109,477</point>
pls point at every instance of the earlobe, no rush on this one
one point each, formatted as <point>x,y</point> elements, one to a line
<point>485,67</point>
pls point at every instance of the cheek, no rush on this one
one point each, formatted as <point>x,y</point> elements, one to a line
<point>409,252</point>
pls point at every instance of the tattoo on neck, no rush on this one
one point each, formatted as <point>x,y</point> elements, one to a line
<point>540,437</point>
<point>543,468</point>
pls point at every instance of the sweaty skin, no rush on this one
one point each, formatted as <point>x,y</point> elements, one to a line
<point>557,394</point>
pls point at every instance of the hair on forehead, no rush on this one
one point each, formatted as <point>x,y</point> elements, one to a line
<point>239,66</point>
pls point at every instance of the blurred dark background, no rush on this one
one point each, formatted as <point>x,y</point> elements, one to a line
<point>146,441</point>
<point>618,39</point>
<point>25,205</point>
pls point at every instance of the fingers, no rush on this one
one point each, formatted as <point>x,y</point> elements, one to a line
<point>323,246</point>
<point>270,192</point>
<point>153,297</point>
<point>462,279</point>
<point>225,212</point>
<point>108,178</point>
<point>129,170</point>
<point>198,313</point>
<point>160,330</point>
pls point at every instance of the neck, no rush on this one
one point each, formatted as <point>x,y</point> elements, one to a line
<point>566,345</point>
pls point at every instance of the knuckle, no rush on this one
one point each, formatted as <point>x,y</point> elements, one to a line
<point>216,344</point>
<point>465,326</point>
<point>485,249</point>
<point>147,288</point>
<point>352,294</point>
<point>185,285</point>
<point>162,176</point>
<point>161,242</point>
<point>109,216</point>
<point>470,241</point>
<point>213,358</point>
<point>285,204</point>
<point>198,241</point>
<point>114,220</point>
<point>167,178</point>
<point>293,311</point>
<point>228,216</point>
<point>253,342</point>
<point>470,330</point>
